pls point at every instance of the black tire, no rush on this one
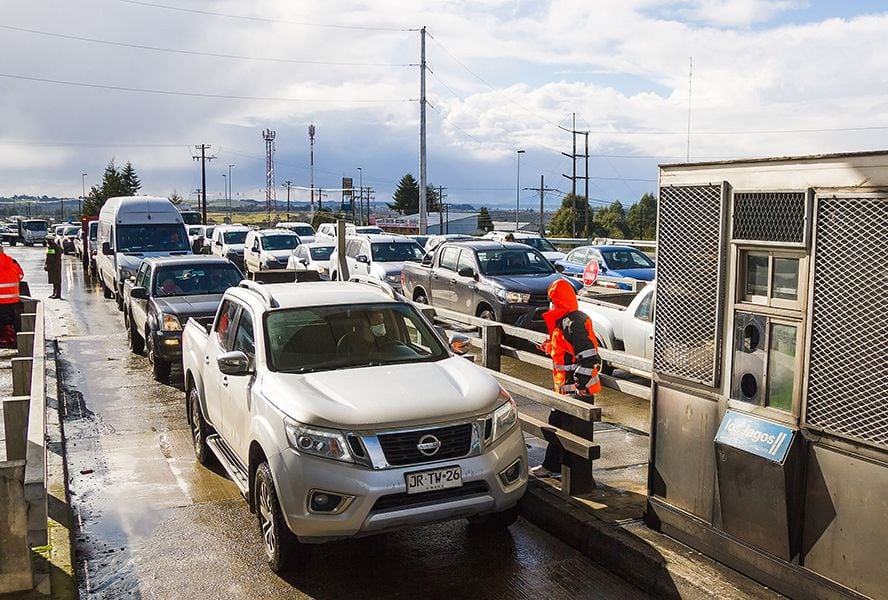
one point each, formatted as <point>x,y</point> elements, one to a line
<point>495,521</point>
<point>136,342</point>
<point>421,297</point>
<point>118,298</point>
<point>283,551</point>
<point>106,291</point>
<point>485,312</point>
<point>160,368</point>
<point>13,243</point>
<point>606,368</point>
<point>199,429</point>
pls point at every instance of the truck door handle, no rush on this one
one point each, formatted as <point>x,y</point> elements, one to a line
<point>225,381</point>
<point>434,275</point>
<point>453,281</point>
<point>206,360</point>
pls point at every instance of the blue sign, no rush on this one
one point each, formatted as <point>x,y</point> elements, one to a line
<point>756,436</point>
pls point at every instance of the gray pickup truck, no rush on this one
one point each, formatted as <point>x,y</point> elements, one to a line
<point>499,281</point>
<point>165,293</point>
<point>622,321</point>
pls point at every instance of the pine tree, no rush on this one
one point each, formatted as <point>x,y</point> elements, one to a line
<point>406,197</point>
<point>113,184</point>
<point>175,198</point>
<point>563,219</point>
<point>130,180</point>
<point>485,223</point>
<point>642,218</point>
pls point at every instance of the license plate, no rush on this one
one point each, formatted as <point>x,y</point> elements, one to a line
<point>429,481</point>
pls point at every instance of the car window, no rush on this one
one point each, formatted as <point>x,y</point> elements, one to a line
<point>645,310</point>
<point>352,248</point>
<point>243,339</point>
<point>396,251</point>
<point>223,326</point>
<point>318,338</point>
<point>159,237</point>
<point>578,256</point>
<point>627,259</point>
<point>513,261</point>
<point>279,242</point>
<point>321,252</point>
<point>186,280</point>
<point>234,237</point>
<point>449,258</point>
<point>140,276</point>
<point>541,244</point>
<point>255,245</point>
<point>466,259</point>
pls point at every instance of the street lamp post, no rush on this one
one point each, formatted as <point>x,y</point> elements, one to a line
<point>361,197</point>
<point>82,195</point>
<point>229,190</point>
<point>518,190</point>
<point>224,186</point>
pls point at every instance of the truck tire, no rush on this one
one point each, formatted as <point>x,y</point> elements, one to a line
<point>606,368</point>
<point>199,428</point>
<point>106,291</point>
<point>420,296</point>
<point>160,368</point>
<point>118,298</point>
<point>12,242</point>
<point>283,551</point>
<point>486,312</point>
<point>495,521</point>
<point>136,343</point>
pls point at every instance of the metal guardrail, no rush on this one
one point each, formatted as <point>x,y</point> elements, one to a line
<point>577,434</point>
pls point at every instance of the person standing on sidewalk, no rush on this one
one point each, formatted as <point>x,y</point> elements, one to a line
<point>575,361</point>
<point>53,266</point>
<point>11,275</point>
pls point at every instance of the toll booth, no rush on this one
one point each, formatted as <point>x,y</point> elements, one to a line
<point>769,416</point>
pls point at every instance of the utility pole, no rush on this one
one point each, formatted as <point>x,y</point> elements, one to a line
<point>573,178</point>
<point>542,189</point>
<point>229,191</point>
<point>518,189</point>
<point>288,184</point>
<point>82,196</point>
<point>588,205</point>
<point>423,208</point>
<point>203,158</point>
<point>442,209</point>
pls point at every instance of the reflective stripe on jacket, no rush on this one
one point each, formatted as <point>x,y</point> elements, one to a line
<point>10,276</point>
<point>572,344</point>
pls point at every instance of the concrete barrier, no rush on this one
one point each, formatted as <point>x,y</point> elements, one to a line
<point>15,552</point>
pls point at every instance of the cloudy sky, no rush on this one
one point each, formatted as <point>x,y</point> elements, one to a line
<point>84,81</point>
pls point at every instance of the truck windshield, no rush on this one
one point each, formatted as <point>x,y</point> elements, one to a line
<point>396,252</point>
<point>93,230</point>
<point>513,261</point>
<point>73,230</point>
<point>279,242</point>
<point>541,244</point>
<point>321,338</point>
<point>188,280</point>
<point>321,252</point>
<point>191,217</point>
<point>627,259</point>
<point>301,229</point>
<point>234,237</point>
<point>160,237</point>
<point>36,225</point>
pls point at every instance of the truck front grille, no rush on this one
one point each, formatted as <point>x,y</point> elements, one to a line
<point>401,448</point>
<point>399,501</point>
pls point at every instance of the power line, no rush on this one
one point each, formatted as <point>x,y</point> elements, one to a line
<point>206,54</point>
<point>264,19</point>
<point>197,94</point>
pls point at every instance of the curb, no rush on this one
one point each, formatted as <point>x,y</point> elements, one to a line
<point>653,562</point>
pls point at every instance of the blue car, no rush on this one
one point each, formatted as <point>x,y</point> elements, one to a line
<point>614,261</point>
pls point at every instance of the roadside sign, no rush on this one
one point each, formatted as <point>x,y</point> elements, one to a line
<point>590,274</point>
<point>766,439</point>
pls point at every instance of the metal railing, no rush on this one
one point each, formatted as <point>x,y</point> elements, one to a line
<point>576,436</point>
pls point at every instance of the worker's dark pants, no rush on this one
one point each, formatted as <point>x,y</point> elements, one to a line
<point>554,451</point>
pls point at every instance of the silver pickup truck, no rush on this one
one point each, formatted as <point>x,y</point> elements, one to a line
<point>338,411</point>
<point>623,321</point>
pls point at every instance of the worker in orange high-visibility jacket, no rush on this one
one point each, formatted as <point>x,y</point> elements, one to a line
<point>11,275</point>
<point>575,361</point>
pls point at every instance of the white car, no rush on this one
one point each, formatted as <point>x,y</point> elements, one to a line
<point>305,231</point>
<point>268,249</point>
<point>314,256</point>
<point>228,241</point>
<point>436,240</point>
<point>534,241</point>
<point>339,412</point>
<point>327,232</point>
<point>379,256</point>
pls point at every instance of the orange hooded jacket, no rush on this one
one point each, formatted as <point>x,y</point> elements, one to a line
<point>571,344</point>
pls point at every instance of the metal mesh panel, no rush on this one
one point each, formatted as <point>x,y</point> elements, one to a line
<point>688,283</point>
<point>848,370</point>
<point>770,217</point>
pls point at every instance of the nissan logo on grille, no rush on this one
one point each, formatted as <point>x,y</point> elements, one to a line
<point>428,445</point>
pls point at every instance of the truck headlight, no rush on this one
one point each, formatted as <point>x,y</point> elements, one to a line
<point>513,297</point>
<point>393,278</point>
<point>503,419</point>
<point>126,273</point>
<point>318,441</point>
<point>171,323</point>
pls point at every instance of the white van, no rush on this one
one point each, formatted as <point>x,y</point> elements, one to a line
<point>305,231</point>
<point>268,249</point>
<point>131,228</point>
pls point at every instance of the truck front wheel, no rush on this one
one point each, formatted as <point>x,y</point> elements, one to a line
<point>282,550</point>
<point>160,368</point>
<point>136,343</point>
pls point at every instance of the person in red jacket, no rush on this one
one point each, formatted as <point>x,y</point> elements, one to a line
<point>575,361</point>
<point>11,275</point>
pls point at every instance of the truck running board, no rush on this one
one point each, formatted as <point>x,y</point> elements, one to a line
<point>236,471</point>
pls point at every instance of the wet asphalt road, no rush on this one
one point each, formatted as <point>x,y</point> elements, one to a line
<point>150,522</point>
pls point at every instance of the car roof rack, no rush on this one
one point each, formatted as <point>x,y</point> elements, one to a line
<point>260,289</point>
<point>378,283</point>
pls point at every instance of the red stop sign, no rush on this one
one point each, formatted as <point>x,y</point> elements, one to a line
<point>591,272</point>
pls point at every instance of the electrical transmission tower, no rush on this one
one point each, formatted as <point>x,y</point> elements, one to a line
<point>311,141</point>
<point>203,158</point>
<point>270,193</point>
<point>573,178</point>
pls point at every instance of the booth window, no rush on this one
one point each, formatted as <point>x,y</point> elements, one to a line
<point>781,366</point>
<point>770,278</point>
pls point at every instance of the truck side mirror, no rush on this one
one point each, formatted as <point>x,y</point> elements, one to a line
<point>139,293</point>
<point>362,258</point>
<point>234,363</point>
<point>559,268</point>
<point>106,249</point>
<point>466,272</point>
<point>459,343</point>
